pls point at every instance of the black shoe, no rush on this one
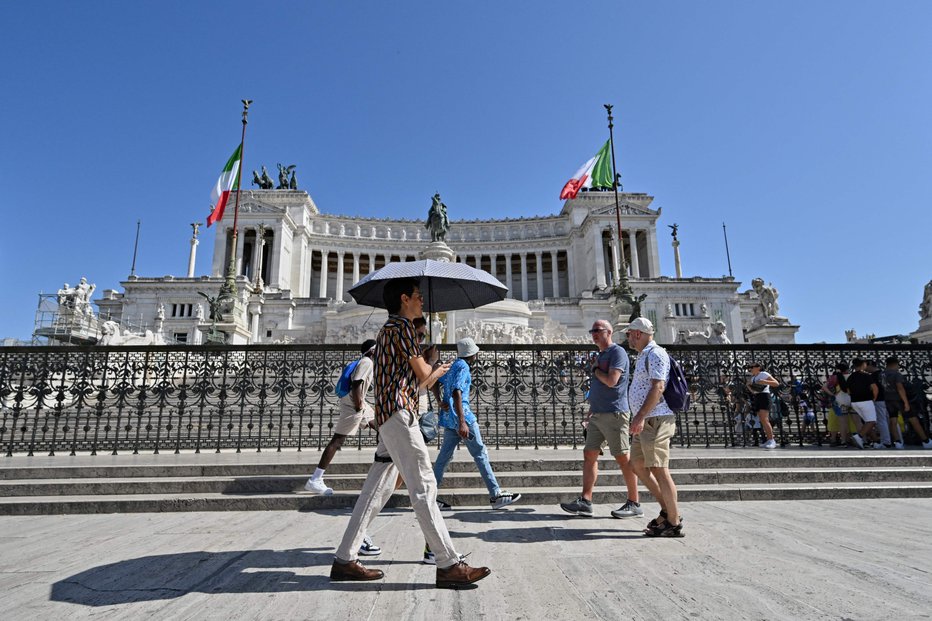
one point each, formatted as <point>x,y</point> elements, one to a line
<point>666,530</point>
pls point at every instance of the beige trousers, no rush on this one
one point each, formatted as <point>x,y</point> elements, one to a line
<point>401,439</point>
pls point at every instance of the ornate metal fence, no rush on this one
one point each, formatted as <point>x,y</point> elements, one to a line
<point>154,399</point>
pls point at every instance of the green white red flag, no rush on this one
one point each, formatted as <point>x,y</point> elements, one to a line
<point>228,182</point>
<point>596,173</point>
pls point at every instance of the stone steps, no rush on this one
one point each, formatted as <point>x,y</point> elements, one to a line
<point>453,481</point>
<point>259,482</point>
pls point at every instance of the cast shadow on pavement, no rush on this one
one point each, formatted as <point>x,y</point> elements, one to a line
<point>169,576</point>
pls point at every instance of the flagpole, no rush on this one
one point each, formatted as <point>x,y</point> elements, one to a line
<point>727,254</point>
<point>132,270</point>
<point>228,289</point>
<point>623,270</point>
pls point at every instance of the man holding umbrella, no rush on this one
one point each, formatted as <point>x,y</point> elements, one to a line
<point>399,369</point>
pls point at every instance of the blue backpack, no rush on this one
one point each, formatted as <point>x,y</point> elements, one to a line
<point>345,383</point>
<point>676,389</point>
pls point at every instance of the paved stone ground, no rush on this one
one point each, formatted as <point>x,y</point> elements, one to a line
<point>829,559</point>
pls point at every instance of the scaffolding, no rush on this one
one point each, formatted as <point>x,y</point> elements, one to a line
<point>63,324</point>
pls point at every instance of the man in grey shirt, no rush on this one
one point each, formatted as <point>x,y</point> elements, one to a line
<point>609,418</point>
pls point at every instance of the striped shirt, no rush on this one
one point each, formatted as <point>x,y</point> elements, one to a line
<point>394,379</point>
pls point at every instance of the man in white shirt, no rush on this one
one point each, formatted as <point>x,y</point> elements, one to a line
<point>653,426</point>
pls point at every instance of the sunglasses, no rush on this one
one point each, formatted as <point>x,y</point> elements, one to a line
<point>596,330</point>
<point>421,337</point>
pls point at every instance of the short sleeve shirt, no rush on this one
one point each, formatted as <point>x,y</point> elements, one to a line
<point>394,378</point>
<point>362,373</point>
<point>459,378</point>
<point>652,363</point>
<point>890,379</point>
<point>607,399</point>
<point>763,375</point>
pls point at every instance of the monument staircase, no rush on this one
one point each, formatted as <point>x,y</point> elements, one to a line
<point>260,481</point>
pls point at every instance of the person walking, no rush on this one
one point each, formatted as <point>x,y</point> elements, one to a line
<point>459,423</point>
<point>759,385</point>
<point>609,421</point>
<point>354,411</point>
<point>653,426</point>
<point>399,370</point>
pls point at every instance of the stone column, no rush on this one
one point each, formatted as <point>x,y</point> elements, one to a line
<point>616,253</point>
<point>524,276</point>
<point>192,256</point>
<point>324,259</point>
<point>240,240</point>
<point>676,258</point>
<point>338,294</point>
<point>255,256</point>
<point>371,262</point>
<point>260,245</point>
<point>571,273</point>
<point>275,253</point>
<point>508,275</point>
<point>494,259</point>
<point>554,273</point>
<point>653,268</point>
<point>635,263</point>
<point>599,247</point>
<point>355,267</point>
<point>539,255</point>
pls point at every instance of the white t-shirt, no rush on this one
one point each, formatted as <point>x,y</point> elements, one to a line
<point>362,373</point>
<point>763,375</point>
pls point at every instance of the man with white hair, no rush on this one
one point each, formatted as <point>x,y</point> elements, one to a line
<point>653,426</point>
<point>609,418</point>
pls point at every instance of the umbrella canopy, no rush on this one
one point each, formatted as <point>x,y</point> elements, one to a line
<point>445,286</point>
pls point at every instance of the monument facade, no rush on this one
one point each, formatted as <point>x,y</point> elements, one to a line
<point>295,264</point>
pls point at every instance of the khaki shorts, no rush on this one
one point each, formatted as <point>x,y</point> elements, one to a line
<point>652,445</point>
<point>611,428</point>
<point>350,420</point>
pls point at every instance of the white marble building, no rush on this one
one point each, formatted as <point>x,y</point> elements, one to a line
<point>294,276</point>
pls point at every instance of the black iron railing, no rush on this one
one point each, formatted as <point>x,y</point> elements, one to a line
<point>154,399</point>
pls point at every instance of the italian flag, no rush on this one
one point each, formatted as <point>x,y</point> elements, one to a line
<point>596,173</point>
<point>228,181</point>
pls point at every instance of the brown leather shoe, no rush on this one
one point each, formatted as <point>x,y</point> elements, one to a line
<point>460,575</point>
<point>354,571</point>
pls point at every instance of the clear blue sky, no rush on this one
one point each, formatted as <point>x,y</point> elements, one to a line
<point>805,126</point>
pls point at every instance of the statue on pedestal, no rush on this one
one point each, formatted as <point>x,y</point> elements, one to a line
<point>283,173</point>
<point>437,222</point>
<point>77,298</point>
<point>925,308</point>
<point>264,181</point>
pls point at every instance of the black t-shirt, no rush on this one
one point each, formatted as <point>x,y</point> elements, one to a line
<point>876,378</point>
<point>892,377</point>
<point>859,386</point>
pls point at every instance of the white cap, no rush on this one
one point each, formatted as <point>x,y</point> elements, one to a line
<point>641,325</point>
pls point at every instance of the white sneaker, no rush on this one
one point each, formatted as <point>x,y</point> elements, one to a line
<point>898,445</point>
<point>857,440</point>
<point>877,446</point>
<point>927,444</point>
<point>317,486</point>
<point>769,444</point>
<point>504,499</point>
<point>368,548</point>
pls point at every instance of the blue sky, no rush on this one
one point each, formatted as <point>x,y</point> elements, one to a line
<point>802,125</point>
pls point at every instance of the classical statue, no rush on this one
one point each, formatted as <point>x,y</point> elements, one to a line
<point>437,222</point>
<point>160,312</point>
<point>767,295</point>
<point>293,184</point>
<point>635,302</point>
<point>110,335</point>
<point>925,308</point>
<point>675,227</point>
<point>283,173</point>
<point>215,304</point>
<point>66,296</point>
<point>264,181</point>
<point>718,336</point>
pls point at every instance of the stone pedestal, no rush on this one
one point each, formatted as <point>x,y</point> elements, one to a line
<point>923,333</point>
<point>773,334</point>
<point>438,251</point>
<point>232,325</point>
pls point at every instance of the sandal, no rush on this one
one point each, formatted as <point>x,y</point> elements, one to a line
<point>668,530</point>
<point>657,521</point>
